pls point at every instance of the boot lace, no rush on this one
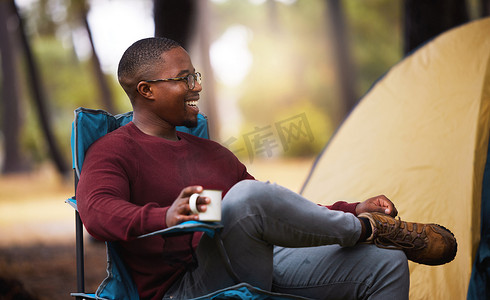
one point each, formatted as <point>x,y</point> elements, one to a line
<point>394,236</point>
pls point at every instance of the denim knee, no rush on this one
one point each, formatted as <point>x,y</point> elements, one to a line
<point>393,266</point>
<point>247,197</point>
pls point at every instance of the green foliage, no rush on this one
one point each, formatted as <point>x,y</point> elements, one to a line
<point>298,130</point>
<point>375,36</point>
<point>67,84</point>
<point>291,75</point>
<point>292,69</point>
<point>32,138</point>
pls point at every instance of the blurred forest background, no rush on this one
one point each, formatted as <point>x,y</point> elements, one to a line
<point>263,63</point>
<point>279,76</point>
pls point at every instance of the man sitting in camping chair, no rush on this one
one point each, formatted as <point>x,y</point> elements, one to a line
<point>139,178</point>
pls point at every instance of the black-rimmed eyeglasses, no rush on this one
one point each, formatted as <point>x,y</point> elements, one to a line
<point>190,79</point>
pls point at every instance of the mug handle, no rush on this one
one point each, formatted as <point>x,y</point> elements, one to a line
<point>192,203</point>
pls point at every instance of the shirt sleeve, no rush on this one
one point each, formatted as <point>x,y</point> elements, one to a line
<point>344,206</point>
<point>103,197</point>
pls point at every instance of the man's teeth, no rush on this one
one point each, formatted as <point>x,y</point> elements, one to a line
<point>192,103</point>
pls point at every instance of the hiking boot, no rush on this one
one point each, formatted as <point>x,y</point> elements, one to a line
<point>428,244</point>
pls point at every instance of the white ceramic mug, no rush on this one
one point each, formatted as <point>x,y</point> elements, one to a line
<point>213,211</point>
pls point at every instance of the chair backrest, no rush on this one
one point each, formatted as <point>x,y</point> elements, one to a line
<point>91,124</point>
<point>88,126</point>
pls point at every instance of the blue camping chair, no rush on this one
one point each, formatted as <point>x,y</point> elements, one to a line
<point>88,126</point>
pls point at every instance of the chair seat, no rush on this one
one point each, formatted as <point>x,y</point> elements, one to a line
<point>86,296</point>
<point>245,291</point>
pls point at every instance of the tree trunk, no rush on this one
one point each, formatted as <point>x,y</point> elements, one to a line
<point>11,124</point>
<point>39,98</point>
<point>423,20</point>
<point>344,68</point>
<point>209,100</point>
<point>485,8</point>
<point>175,20</point>
<point>105,94</point>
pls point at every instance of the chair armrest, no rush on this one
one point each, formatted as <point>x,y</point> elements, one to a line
<point>72,202</point>
<point>190,226</point>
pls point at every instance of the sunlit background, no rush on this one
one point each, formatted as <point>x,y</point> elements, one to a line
<point>271,60</point>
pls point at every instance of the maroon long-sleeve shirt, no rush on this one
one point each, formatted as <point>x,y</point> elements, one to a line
<point>128,182</point>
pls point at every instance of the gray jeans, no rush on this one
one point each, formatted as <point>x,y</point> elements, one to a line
<point>279,241</point>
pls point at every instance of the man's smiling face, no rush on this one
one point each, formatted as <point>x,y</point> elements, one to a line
<point>174,102</point>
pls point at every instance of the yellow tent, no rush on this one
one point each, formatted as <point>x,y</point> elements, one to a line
<point>420,136</point>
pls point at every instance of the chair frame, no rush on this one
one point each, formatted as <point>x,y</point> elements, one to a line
<point>210,228</point>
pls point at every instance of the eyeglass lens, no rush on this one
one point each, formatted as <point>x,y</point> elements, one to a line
<point>191,80</point>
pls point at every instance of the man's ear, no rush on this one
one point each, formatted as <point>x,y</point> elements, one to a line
<point>145,89</point>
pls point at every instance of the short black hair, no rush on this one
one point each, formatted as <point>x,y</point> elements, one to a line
<point>137,61</point>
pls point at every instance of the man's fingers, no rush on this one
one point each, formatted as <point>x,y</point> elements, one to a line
<point>390,209</point>
<point>200,207</point>
<point>203,200</point>
<point>188,191</point>
<point>183,218</point>
<point>394,212</point>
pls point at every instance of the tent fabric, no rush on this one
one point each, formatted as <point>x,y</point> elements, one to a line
<point>420,136</point>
